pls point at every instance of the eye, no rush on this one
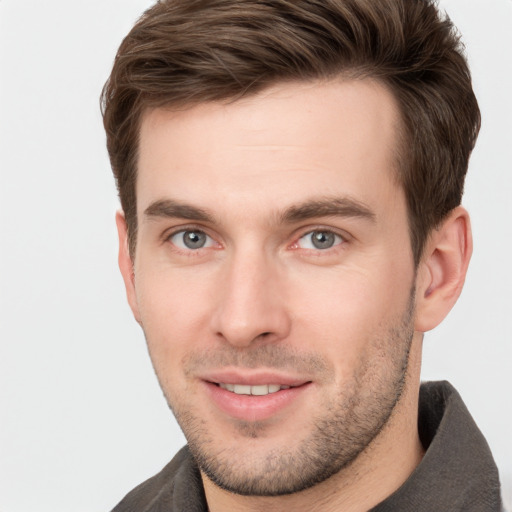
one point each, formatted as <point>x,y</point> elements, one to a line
<point>319,240</point>
<point>191,240</point>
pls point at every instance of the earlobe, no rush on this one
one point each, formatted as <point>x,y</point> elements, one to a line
<point>442,269</point>
<point>126,264</point>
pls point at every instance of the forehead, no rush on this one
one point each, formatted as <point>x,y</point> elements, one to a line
<point>289,142</point>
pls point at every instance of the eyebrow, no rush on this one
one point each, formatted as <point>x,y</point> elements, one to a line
<point>328,207</point>
<point>169,208</point>
<point>323,207</point>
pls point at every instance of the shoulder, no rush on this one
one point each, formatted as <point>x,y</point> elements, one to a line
<point>177,487</point>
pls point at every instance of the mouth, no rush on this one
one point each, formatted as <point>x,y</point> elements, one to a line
<point>241,399</point>
<point>259,390</point>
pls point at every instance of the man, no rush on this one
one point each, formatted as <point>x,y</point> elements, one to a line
<point>290,175</point>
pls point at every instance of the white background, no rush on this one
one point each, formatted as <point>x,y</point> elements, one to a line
<point>82,419</point>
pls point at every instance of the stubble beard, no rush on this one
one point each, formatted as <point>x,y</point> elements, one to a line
<point>351,421</point>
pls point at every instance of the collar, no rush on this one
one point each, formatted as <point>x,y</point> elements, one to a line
<point>457,472</point>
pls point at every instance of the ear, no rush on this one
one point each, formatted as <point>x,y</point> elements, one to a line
<point>442,269</point>
<point>126,264</point>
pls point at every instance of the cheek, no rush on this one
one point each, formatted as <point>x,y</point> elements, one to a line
<point>174,310</point>
<point>340,313</point>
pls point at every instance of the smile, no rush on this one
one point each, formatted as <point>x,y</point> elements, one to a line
<point>261,390</point>
<point>250,398</point>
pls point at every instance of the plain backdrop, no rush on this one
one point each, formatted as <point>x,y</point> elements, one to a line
<point>82,417</point>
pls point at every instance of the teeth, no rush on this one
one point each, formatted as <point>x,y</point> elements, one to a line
<point>242,389</point>
<point>260,390</point>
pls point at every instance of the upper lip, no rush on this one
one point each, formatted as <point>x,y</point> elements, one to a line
<point>249,377</point>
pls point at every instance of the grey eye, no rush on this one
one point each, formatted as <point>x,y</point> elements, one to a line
<point>188,239</point>
<point>193,239</point>
<point>319,240</point>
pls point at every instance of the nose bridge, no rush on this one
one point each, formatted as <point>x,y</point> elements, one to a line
<point>251,304</point>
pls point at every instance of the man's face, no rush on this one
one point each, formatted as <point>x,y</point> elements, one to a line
<point>273,278</point>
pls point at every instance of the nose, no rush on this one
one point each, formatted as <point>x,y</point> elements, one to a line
<point>251,302</point>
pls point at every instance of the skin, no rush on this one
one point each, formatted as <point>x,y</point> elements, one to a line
<point>259,302</point>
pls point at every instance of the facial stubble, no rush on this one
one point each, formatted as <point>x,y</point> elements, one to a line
<point>351,420</point>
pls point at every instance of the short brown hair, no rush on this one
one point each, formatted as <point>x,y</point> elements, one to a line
<point>184,52</point>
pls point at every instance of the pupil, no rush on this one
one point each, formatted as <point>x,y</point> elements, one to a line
<point>194,240</point>
<point>323,240</point>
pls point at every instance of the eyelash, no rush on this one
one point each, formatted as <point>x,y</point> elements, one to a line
<point>167,238</point>
<point>340,240</point>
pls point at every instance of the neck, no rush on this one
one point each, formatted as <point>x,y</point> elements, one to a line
<point>377,472</point>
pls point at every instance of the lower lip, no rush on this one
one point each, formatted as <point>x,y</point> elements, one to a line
<point>252,407</point>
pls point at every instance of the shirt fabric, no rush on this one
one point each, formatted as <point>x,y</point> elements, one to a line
<point>457,473</point>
